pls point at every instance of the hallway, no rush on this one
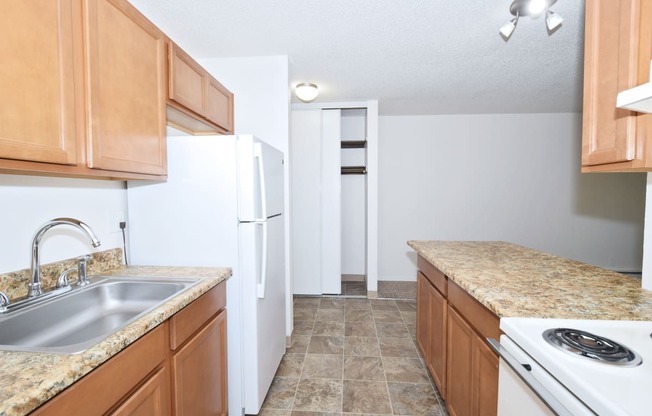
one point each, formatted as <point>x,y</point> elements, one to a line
<point>352,356</point>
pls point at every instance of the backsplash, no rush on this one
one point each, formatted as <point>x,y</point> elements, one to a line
<point>14,284</point>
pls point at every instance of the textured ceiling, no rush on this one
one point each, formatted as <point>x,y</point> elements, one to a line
<point>414,57</point>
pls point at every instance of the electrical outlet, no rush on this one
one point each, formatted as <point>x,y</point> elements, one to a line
<point>115,217</point>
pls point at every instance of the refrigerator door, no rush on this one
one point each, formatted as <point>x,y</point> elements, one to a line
<point>260,180</point>
<point>263,306</point>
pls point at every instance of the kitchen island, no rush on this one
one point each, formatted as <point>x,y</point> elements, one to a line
<point>515,281</point>
<point>29,379</point>
<point>464,288</point>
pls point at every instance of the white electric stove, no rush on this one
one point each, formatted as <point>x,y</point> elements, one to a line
<point>572,379</point>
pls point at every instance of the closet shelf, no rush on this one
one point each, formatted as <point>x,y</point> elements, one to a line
<point>354,144</point>
<point>354,170</point>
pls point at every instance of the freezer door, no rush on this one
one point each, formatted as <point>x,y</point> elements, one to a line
<point>263,306</point>
<point>260,179</point>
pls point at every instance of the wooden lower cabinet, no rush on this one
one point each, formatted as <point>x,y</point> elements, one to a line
<point>431,330</point>
<point>452,328</point>
<point>201,363</point>
<point>472,371</point>
<point>149,400</point>
<point>168,371</point>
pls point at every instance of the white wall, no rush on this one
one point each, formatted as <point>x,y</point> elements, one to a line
<point>502,177</point>
<point>30,201</point>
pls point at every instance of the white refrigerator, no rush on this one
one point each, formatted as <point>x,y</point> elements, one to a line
<point>222,205</point>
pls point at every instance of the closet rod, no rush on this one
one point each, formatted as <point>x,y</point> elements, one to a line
<point>354,170</point>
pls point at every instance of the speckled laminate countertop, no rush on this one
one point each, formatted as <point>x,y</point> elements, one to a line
<point>515,281</point>
<point>27,379</point>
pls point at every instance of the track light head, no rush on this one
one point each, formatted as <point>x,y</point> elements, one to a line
<point>553,20</point>
<point>507,29</point>
<point>534,9</point>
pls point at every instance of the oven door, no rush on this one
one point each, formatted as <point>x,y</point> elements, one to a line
<point>526,388</point>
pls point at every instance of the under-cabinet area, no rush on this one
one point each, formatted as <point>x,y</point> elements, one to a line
<point>98,72</point>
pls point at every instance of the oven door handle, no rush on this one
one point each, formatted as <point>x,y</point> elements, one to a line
<point>548,399</point>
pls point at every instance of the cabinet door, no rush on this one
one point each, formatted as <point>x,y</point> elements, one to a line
<point>148,400</point>
<point>37,82</point>
<point>199,372</point>
<point>436,360</point>
<point>485,379</point>
<point>612,63</point>
<point>460,368</point>
<point>423,315</point>
<point>125,55</point>
<point>219,104</point>
<point>187,80</point>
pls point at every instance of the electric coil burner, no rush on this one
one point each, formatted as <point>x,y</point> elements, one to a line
<point>595,347</point>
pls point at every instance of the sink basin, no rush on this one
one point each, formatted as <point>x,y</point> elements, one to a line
<point>78,320</point>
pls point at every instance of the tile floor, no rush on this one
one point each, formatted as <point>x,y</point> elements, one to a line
<point>352,356</point>
<point>354,289</point>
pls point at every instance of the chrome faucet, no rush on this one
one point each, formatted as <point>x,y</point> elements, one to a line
<point>34,288</point>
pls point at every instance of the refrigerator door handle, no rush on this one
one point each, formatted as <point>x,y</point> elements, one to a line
<point>262,283</point>
<point>258,154</point>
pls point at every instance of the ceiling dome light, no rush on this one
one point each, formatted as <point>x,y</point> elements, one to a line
<point>306,92</point>
<point>533,8</point>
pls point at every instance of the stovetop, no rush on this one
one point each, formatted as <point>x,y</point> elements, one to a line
<point>606,389</point>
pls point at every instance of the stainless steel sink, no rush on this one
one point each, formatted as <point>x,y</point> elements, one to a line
<point>79,319</point>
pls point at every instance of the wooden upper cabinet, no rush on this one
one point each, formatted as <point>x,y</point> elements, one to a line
<point>200,104</point>
<point>126,69</point>
<point>617,53</point>
<point>38,120</point>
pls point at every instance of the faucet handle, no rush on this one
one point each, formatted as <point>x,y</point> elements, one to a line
<point>62,280</point>
<point>4,302</point>
<point>81,269</point>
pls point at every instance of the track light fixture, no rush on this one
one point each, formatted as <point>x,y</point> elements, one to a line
<point>532,8</point>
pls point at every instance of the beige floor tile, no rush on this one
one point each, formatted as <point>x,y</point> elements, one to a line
<point>392,330</point>
<point>332,303</point>
<point>410,317</point>
<point>328,328</point>
<point>318,395</point>
<point>336,315</point>
<point>388,316</point>
<point>405,305</point>
<point>299,345</point>
<point>322,366</point>
<point>301,413</point>
<point>303,327</point>
<point>355,289</point>
<point>326,345</point>
<point>361,346</point>
<point>397,347</point>
<point>306,302</point>
<point>274,412</point>
<point>363,368</point>
<point>414,399</point>
<point>365,397</point>
<point>359,329</point>
<point>291,365</point>
<point>405,370</point>
<point>281,393</point>
<point>383,304</point>
<point>305,314</point>
<point>357,304</point>
<point>358,315</point>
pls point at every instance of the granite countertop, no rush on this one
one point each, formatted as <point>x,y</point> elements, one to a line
<point>29,379</point>
<point>515,281</point>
